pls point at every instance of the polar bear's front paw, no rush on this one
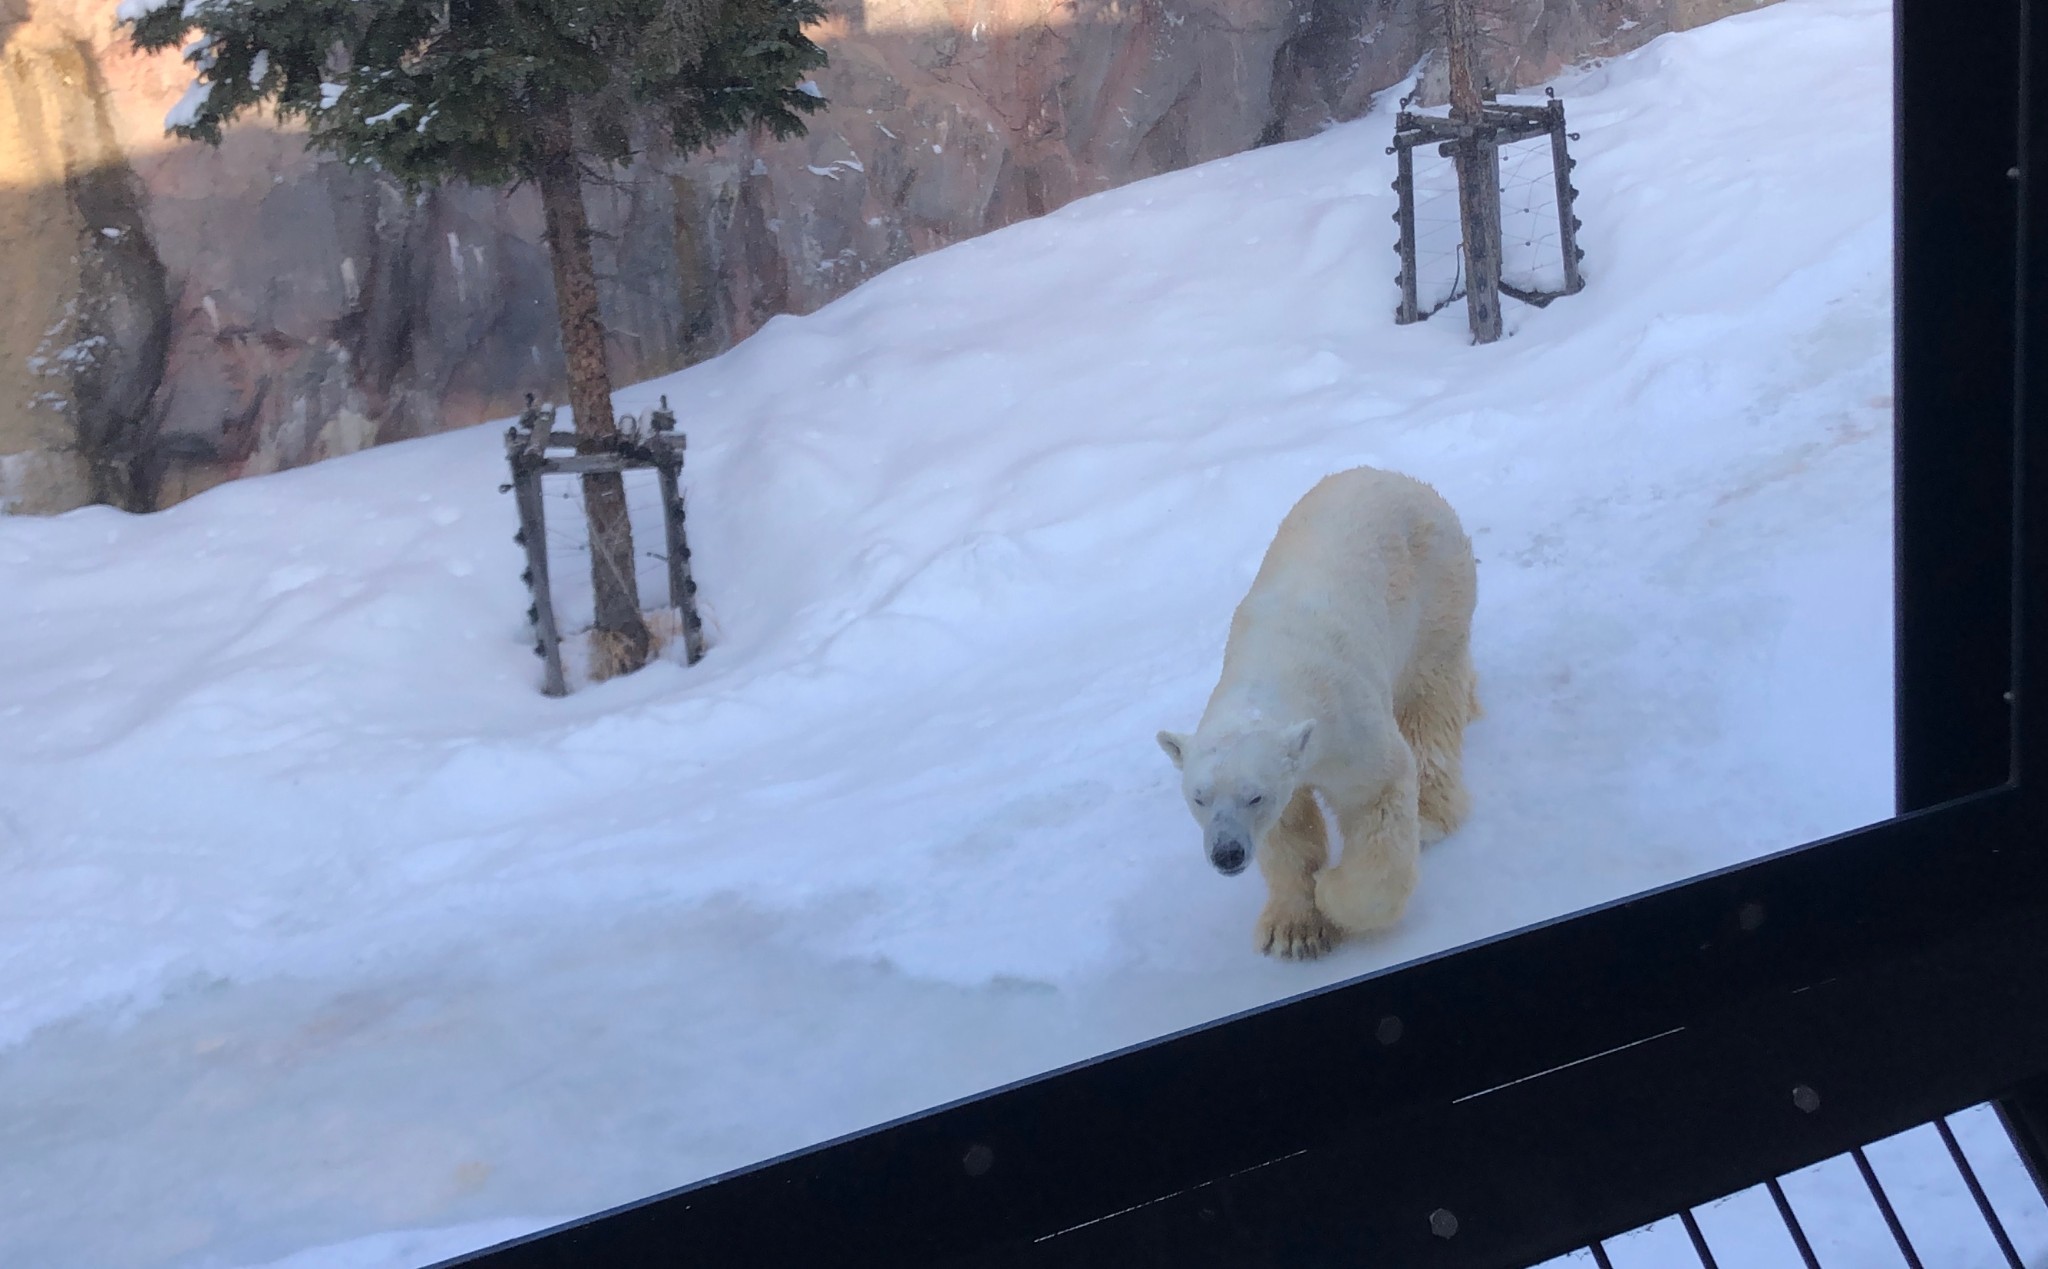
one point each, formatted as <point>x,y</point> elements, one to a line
<point>1295,933</point>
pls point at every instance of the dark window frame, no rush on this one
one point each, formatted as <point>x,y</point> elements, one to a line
<point>1578,1078</point>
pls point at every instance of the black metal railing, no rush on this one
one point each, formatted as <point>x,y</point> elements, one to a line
<point>1925,1151</point>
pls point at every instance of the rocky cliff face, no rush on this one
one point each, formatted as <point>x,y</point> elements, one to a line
<point>179,315</point>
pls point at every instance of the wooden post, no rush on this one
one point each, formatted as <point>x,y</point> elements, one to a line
<point>682,588</point>
<point>1478,159</point>
<point>525,454</point>
<point>1404,215</point>
<point>1561,163</point>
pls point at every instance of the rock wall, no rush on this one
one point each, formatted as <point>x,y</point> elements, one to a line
<point>180,315</point>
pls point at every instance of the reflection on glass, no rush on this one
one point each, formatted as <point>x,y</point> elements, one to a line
<point>326,930</point>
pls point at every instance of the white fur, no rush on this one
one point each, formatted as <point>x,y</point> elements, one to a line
<point>1347,679</point>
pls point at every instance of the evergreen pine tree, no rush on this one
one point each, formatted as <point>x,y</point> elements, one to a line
<point>495,92</point>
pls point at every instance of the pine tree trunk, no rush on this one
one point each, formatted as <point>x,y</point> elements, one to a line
<point>1478,163</point>
<point>1458,26</point>
<point>620,642</point>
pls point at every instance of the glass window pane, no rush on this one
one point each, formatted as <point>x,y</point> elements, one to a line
<point>330,937</point>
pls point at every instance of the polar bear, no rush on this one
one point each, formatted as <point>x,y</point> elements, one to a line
<point>1347,675</point>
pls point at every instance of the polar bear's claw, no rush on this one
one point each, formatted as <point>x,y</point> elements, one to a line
<point>1296,934</point>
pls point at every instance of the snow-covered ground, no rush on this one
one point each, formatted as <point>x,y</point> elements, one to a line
<point>324,930</point>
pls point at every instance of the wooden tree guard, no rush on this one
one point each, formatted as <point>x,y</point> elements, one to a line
<point>1475,147</point>
<point>527,443</point>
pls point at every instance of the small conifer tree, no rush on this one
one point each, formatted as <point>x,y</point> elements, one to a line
<point>496,92</point>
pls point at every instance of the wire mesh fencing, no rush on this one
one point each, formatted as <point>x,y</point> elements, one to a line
<point>1532,252</point>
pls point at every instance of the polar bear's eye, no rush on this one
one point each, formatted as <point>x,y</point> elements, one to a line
<point>1255,799</point>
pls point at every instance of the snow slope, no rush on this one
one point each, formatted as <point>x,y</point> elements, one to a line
<point>321,924</point>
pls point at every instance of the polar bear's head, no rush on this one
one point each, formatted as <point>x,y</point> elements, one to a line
<point>1237,783</point>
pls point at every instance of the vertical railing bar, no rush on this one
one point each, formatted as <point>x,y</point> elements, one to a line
<point>2019,1114</point>
<point>1884,1205</point>
<point>1955,1151</point>
<point>1792,1225</point>
<point>1699,1240</point>
<point>1897,1228</point>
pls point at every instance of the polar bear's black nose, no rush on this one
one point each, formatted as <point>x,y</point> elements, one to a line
<point>1228,858</point>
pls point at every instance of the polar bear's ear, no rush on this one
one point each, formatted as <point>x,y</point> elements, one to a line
<point>1294,741</point>
<point>1176,746</point>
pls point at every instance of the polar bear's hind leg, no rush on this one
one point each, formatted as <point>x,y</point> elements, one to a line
<point>1433,723</point>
